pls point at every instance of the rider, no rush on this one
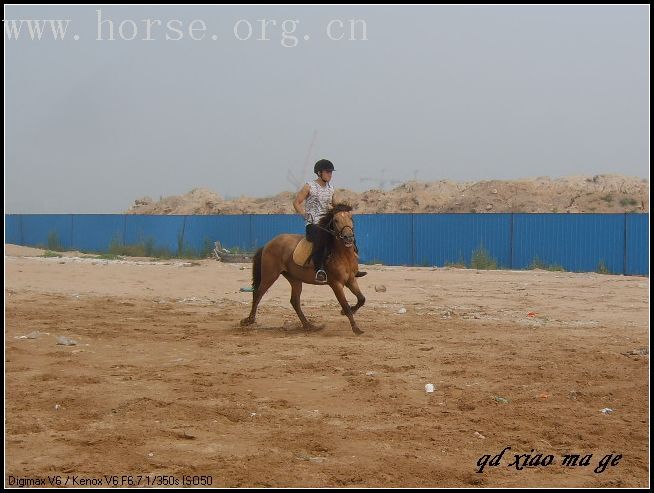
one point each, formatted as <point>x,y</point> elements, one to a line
<point>316,197</point>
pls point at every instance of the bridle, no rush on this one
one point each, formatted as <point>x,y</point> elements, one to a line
<point>338,234</point>
<point>343,237</point>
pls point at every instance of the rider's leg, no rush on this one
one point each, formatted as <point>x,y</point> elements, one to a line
<point>319,263</point>
<point>317,255</point>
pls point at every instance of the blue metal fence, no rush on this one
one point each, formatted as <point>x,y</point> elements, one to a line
<point>443,239</point>
<point>576,242</point>
<point>13,230</point>
<point>637,244</point>
<point>50,230</point>
<point>385,238</point>
<point>96,232</point>
<point>617,243</point>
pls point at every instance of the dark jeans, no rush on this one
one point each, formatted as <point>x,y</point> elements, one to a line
<point>315,236</point>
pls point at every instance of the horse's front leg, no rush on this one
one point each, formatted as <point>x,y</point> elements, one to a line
<point>340,296</point>
<point>354,287</point>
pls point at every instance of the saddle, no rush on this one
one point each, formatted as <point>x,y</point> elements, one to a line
<point>302,255</point>
<point>302,252</point>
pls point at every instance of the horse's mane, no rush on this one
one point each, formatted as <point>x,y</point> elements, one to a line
<point>326,220</point>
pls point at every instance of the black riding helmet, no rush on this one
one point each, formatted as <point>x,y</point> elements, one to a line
<point>323,165</point>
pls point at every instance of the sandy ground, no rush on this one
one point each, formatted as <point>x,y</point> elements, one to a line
<point>163,386</point>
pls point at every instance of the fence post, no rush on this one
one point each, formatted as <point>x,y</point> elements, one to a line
<point>72,231</point>
<point>511,243</point>
<point>250,235</point>
<point>624,262</point>
<point>413,239</point>
<point>180,246</point>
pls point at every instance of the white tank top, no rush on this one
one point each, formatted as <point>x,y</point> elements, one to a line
<point>318,201</point>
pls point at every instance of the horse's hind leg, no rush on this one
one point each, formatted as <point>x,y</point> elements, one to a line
<point>296,291</point>
<point>267,280</point>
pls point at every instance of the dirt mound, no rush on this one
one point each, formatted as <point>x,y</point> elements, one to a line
<point>599,193</point>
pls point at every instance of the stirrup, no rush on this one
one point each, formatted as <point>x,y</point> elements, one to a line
<point>321,276</point>
<point>361,273</point>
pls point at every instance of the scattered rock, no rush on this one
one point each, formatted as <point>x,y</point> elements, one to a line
<point>32,335</point>
<point>643,351</point>
<point>65,341</point>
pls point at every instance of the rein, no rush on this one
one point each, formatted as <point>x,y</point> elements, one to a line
<point>338,234</point>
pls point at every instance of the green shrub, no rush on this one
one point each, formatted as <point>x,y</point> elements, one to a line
<point>602,268</point>
<point>482,260</point>
<point>459,264</point>
<point>144,248</point>
<point>625,202</point>
<point>537,263</point>
<point>53,242</point>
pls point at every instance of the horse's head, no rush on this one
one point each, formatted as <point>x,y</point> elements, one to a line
<point>344,227</point>
<point>338,221</point>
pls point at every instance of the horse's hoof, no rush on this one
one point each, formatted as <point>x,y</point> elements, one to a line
<point>357,331</point>
<point>246,321</point>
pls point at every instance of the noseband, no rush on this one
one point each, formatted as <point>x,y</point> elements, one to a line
<point>338,234</point>
<point>343,237</point>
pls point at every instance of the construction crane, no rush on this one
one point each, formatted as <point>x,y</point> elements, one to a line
<point>290,176</point>
<point>381,182</point>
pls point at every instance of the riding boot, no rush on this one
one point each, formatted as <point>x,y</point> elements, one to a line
<point>319,263</point>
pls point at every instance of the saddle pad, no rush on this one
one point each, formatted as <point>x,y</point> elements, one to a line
<point>302,252</point>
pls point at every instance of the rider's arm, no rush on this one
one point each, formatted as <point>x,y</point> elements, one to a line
<point>298,203</point>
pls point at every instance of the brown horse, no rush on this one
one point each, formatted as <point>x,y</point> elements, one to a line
<point>276,258</point>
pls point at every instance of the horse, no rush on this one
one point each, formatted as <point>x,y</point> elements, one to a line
<point>276,258</point>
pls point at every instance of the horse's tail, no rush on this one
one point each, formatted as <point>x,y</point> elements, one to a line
<point>256,270</point>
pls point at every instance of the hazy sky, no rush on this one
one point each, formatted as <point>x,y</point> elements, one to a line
<point>455,92</point>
